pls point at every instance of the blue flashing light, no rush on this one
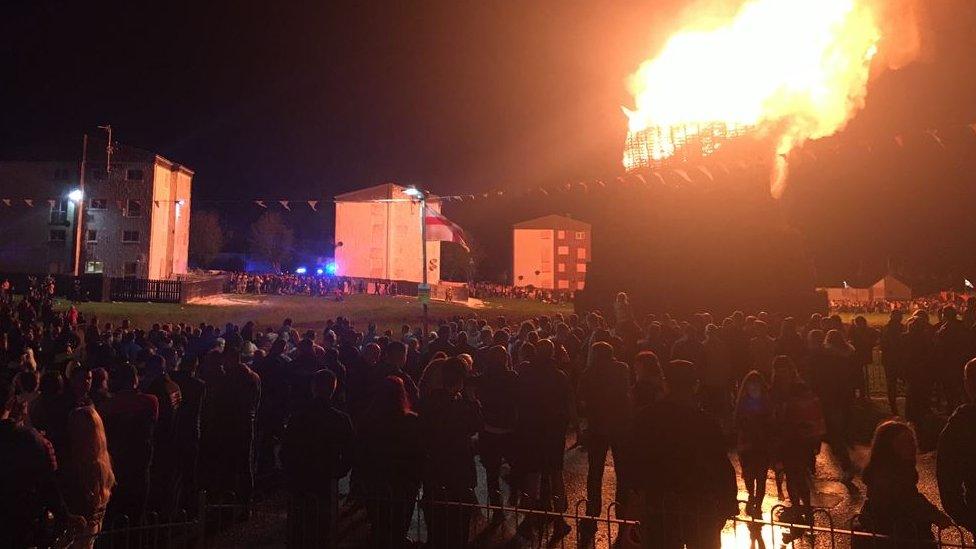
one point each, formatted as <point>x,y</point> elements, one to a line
<point>331,268</point>
<point>301,270</point>
<point>319,271</point>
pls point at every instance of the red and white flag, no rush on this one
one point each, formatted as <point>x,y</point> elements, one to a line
<point>440,228</point>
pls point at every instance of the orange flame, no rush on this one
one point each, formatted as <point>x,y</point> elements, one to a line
<point>790,69</point>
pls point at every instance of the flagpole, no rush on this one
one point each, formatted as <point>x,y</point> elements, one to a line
<point>423,255</point>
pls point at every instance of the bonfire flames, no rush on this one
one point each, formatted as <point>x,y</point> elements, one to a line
<point>785,70</point>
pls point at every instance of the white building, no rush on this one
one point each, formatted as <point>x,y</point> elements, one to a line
<point>551,252</point>
<point>378,236</point>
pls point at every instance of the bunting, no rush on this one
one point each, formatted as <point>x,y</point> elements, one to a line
<point>261,203</point>
<point>29,202</point>
<point>314,205</point>
<point>6,201</point>
<point>284,204</point>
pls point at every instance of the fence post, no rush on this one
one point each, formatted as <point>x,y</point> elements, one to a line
<point>202,519</point>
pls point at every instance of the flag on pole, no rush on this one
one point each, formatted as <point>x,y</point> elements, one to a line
<point>440,228</point>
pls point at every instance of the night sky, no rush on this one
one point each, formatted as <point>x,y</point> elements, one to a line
<point>282,100</point>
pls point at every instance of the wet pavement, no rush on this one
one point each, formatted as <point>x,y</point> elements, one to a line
<point>841,503</point>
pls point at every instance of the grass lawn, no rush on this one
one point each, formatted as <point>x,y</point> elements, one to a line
<point>309,312</point>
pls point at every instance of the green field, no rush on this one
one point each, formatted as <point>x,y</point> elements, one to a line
<point>309,312</point>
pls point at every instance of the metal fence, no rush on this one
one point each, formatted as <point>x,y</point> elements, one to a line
<point>144,289</point>
<point>391,520</point>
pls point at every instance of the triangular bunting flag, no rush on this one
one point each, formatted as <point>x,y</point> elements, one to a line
<point>284,204</point>
<point>156,203</point>
<point>261,203</point>
<point>313,204</point>
<point>6,201</point>
<point>29,202</point>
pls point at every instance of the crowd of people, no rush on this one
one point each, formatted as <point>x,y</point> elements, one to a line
<point>487,290</point>
<point>101,421</point>
<point>306,284</point>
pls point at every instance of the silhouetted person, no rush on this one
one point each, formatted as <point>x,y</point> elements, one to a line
<point>28,484</point>
<point>448,422</point>
<point>684,473</point>
<point>953,347</point>
<point>496,391</point>
<point>130,419</point>
<point>894,506</point>
<point>545,406</point>
<point>236,404</point>
<point>189,416</point>
<point>164,474</point>
<point>390,459</point>
<point>893,356</point>
<point>315,452</point>
<point>753,425</point>
<point>798,428</point>
<point>956,465</point>
<point>604,391</point>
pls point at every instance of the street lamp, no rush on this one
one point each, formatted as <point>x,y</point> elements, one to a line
<point>423,291</point>
<point>76,195</point>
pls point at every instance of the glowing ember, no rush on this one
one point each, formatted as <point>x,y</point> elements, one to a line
<point>792,70</point>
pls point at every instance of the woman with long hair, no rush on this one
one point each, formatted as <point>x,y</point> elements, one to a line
<point>390,462</point>
<point>88,473</point>
<point>894,507</point>
<point>753,424</point>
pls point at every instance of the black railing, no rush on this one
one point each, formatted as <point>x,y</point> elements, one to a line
<point>143,289</point>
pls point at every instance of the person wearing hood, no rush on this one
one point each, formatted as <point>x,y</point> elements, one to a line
<point>956,463</point>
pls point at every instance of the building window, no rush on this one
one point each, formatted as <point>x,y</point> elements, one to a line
<point>581,267</point>
<point>61,174</point>
<point>130,269</point>
<point>130,236</point>
<point>91,236</point>
<point>562,267</point>
<point>59,212</point>
<point>133,208</point>
<point>563,250</point>
<point>98,204</point>
<point>563,284</point>
<point>580,235</point>
<point>560,234</point>
<point>581,253</point>
<point>93,266</point>
<point>133,175</point>
<point>58,235</point>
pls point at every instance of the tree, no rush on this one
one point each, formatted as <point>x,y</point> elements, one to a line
<point>459,265</point>
<point>272,239</point>
<point>207,236</point>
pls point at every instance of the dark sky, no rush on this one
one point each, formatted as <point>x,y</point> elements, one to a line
<point>296,100</point>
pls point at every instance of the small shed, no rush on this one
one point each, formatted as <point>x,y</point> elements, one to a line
<point>890,288</point>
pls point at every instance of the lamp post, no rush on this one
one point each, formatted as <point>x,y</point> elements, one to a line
<point>78,196</point>
<point>423,291</point>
